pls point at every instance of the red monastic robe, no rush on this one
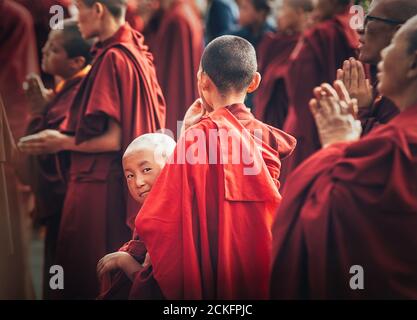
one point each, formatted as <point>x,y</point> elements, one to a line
<point>19,58</point>
<point>351,204</point>
<point>204,224</point>
<point>314,61</point>
<point>47,174</point>
<point>121,86</point>
<point>271,99</point>
<point>177,50</point>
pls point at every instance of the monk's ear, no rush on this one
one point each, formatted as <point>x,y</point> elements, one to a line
<point>412,73</point>
<point>256,80</point>
<point>99,8</point>
<point>77,63</point>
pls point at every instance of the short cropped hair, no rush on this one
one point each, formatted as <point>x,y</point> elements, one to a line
<point>74,44</point>
<point>116,7</point>
<point>230,62</point>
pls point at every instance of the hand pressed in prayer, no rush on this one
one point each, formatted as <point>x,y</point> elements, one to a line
<point>194,113</point>
<point>36,93</point>
<point>43,142</point>
<point>335,114</point>
<point>353,77</point>
<point>118,260</point>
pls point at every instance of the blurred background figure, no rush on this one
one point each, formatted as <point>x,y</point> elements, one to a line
<point>222,17</point>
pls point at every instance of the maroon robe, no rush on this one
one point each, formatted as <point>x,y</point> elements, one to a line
<point>121,86</point>
<point>205,224</point>
<point>19,57</point>
<point>177,50</point>
<point>351,204</point>
<point>314,61</point>
<point>271,99</point>
<point>47,174</point>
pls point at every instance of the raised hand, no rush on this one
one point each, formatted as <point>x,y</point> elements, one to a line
<point>38,96</point>
<point>43,142</point>
<point>335,114</point>
<point>353,76</point>
<point>194,113</point>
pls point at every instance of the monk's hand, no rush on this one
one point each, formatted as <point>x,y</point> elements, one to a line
<point>335,114</point>
<point>44,142</point>
<point>118,261</point>
<point>36,93</point>
<point>353,77</point>
<point>194,113</point>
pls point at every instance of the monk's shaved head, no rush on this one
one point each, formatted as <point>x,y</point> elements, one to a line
<point>400,10</point>
<point>410,29</point>
<point>162,144</point>
<point>116,7</point>
<point>306,5</point>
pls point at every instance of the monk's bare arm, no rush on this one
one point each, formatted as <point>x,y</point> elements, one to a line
<point>53,141</point>
<point>109,141</point>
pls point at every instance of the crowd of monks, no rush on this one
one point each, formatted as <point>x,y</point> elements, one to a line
<point>98,118</point>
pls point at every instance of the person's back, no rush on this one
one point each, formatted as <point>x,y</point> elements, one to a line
<point>212,239</point>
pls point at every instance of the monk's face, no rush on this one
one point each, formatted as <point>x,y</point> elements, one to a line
<point>290,18</point>
<point>55,59</point>
<point>141,170</point>
<point>323,9</point>
<point>394,69</point>
<point>376,35</point>
<point>88,20</point>
<point>248,15</point>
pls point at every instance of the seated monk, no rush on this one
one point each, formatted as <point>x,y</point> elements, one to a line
<point>143,161</point>
<point>346,227</point>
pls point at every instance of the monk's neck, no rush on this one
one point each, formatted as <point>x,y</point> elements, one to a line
<point>109,28</point>
<point>221,102</point>
<point>407,99</point>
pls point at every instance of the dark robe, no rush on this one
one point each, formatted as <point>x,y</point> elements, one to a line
<point>204,224</point>
<point>19,57</point>
<point>380,112</point>
<point>122,86</point>
<point>315,60</point>
<point>271,99</point>
<point>351,204</point>
<point>177,52</point>
<point>47,174</point>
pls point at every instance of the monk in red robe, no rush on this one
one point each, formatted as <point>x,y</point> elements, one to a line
<point>383,20</point>
<point>206,223</point>
<point>118,100</point>
<point>142,163</point>
<point>314,61</point>
<point>19,57</point>
<point>346,226</point>
<point>271,100</point>
<point>66,55</point>
<point>178,48</point>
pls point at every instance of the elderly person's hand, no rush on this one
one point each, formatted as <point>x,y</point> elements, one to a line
<point>335,114</point>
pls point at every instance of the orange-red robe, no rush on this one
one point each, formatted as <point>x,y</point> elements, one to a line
<point>207,220</point>
<point>315,60</point>
<point>271,99</point>
<point>177,50</point>
<point>351,204</point>
<point>122,86</point>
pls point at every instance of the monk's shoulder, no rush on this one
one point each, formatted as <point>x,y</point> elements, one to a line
<point>17,12</point>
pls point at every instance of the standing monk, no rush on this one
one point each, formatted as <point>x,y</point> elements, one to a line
<point>206,223</point>
<point>177,52</point>
<point>271,100</point>
<point>314,61</point>
<point>346,228</point>
<point>118,100</point>
<point>384,18</point>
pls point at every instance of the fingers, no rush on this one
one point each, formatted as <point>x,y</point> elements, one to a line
<point>341,91</point>
<point>354,75</point>
<point>361,73</point>
<point>329,90</point>
<point>314,107</point>
<point>339,74</point>
<point>346,73</point>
